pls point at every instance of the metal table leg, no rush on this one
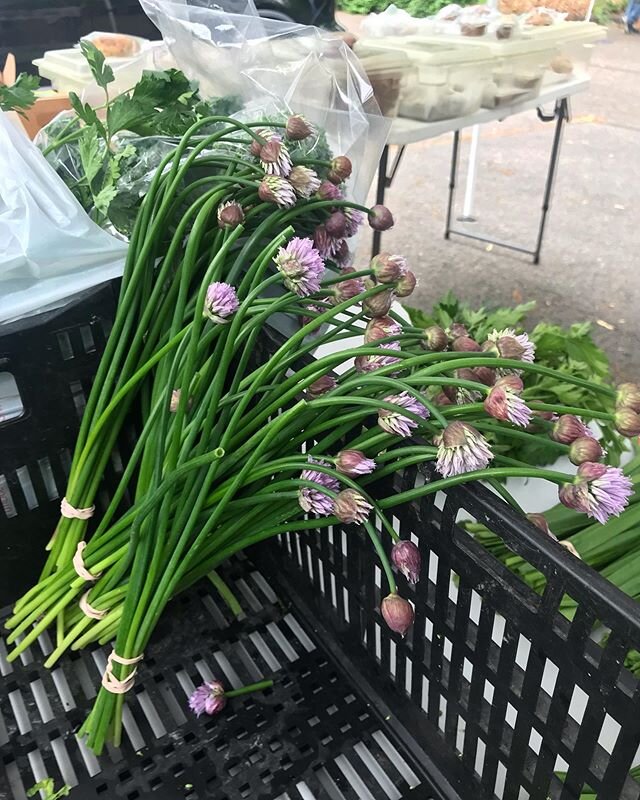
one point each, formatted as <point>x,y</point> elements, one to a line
<point>561,114</point>
<point>385,180</point>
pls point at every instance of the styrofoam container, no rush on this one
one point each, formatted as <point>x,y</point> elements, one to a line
<point>518,67</point>
<point>442,81</point>
<point>69,71</point>
<point>574,44</point>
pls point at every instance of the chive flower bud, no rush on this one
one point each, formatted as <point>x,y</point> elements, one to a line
<point>406,557</point>
<point>568,428</point>
<point>398,613</point>
<point>230,215</point>
<point>274,189</point>
<point>304,181</point>
<point>461,448</point>
<point>508,344</point>
<point>381,328</point>
<point>350,506</point>
<point>627,421</point>
<point>329,191</point>
<point>485,375</point>
<point>301,267</point>
<point>441,399</point>
<point>340,169</point>
<point>395,422</point>
<point>380,218</point>
<point>540,521</point>
<point>275,158</point>
<point>221,302</point>
<point>354,463</point>
<point>465,344</point>
<point>321,386</point>
<point>406,284</point>
<point>504,402</point>
<point>388,268</point>
<point>336,225</point>
<point>628,396</point>
<point>346,290</point>
<point>457,330</point>
<point>585,448</point>
<point>378,305</point>
<point>435,338</point>
<point>208,699</point>
<point>298,128</point>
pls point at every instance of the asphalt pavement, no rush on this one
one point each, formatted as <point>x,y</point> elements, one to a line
<point>589,267</point>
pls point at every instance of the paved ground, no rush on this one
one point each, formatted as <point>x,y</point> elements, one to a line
<point>589,266</point>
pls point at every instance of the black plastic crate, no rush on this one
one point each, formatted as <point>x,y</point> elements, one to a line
<point>478,701</point>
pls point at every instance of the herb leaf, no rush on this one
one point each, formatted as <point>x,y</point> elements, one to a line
<point>87,114</point>
<point>102,73</point>
<point>21,95</point>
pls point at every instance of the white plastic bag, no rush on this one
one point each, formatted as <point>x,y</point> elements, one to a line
<point>278,66</point>
<point>49,248</point>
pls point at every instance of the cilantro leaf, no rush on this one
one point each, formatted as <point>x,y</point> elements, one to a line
<point>21,95</point>
<point>102,73</point>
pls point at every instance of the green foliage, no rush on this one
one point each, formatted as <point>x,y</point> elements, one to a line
<point>48,787</point>
<point>21,95</point>
<point>102,72</point>
<point>417,8</point>
<point>568,350</point>
<point>604,11</point>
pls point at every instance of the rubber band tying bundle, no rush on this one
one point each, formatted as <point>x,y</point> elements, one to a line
<point>88,610</point>
<point>78,565</point>
<point>68,511</point>
<point>117,685</point>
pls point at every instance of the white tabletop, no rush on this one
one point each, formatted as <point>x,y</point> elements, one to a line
<point>405,130</point>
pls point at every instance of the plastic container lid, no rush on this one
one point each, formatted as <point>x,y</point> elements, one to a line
<point>428,50</point>
<point>73,65</point>
<point>566,32</point>
<point>494,48</point>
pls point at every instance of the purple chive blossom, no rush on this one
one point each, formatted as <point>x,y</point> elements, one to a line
<point>274,189</point>
<point>329,191</point>
<point>208,699</point>
<point>314,501</point>
<point>461,448</point>
<point>275,158</point>
<point>304,181</point>
<point>354,463</point>
<point>354,219</point>
<point>396,423</point>
<point>598,490</point>
<point>350,506</point>
<point>328,246</point>
<point>301,266</point>
<point>364,364</point>
<point>513,345</point>
<point>221,301</point>
<point>406,557</point>
<point>504,402</point>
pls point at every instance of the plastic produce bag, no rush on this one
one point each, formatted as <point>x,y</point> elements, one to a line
<point>276,66</point>
<point>49,248</point>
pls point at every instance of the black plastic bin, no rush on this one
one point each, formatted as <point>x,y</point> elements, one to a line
<point>490,687</point>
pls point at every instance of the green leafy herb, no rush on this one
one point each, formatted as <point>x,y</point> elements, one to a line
<point>48,787</point>
<point>21,95</point>
<point>102,72</point>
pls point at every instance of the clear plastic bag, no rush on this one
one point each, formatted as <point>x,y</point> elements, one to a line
<point>49,248</point>
<point>276,66</point>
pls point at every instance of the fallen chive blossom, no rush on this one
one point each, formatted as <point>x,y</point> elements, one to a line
<point>435,338</point>
<point>406,557</point>
<point>627,422</point>
<point>304,181</point>
<point>461,448</point>
<point>339,170</point>
<point>230,215</point>
<point>504,402</point>
<point>568,428</point>
<point>274,189</point>
<point>406,284</point>
<point>315,501</point>
<point>388,268</point>
<point>297,128</point>
<point>350,506</point>
<point>208,699</point>
<point>175,401</point>
<point>585,448</point>
<point>323,385</point>
<point>354,463</point>
<point>301,266</point>
<point>598,491</point>
<point>398,613</point>
<point>220,302</point>
<point>540,521</point>
<point>394,421</point>
<point>628,396</point>
<point>380,218</point>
